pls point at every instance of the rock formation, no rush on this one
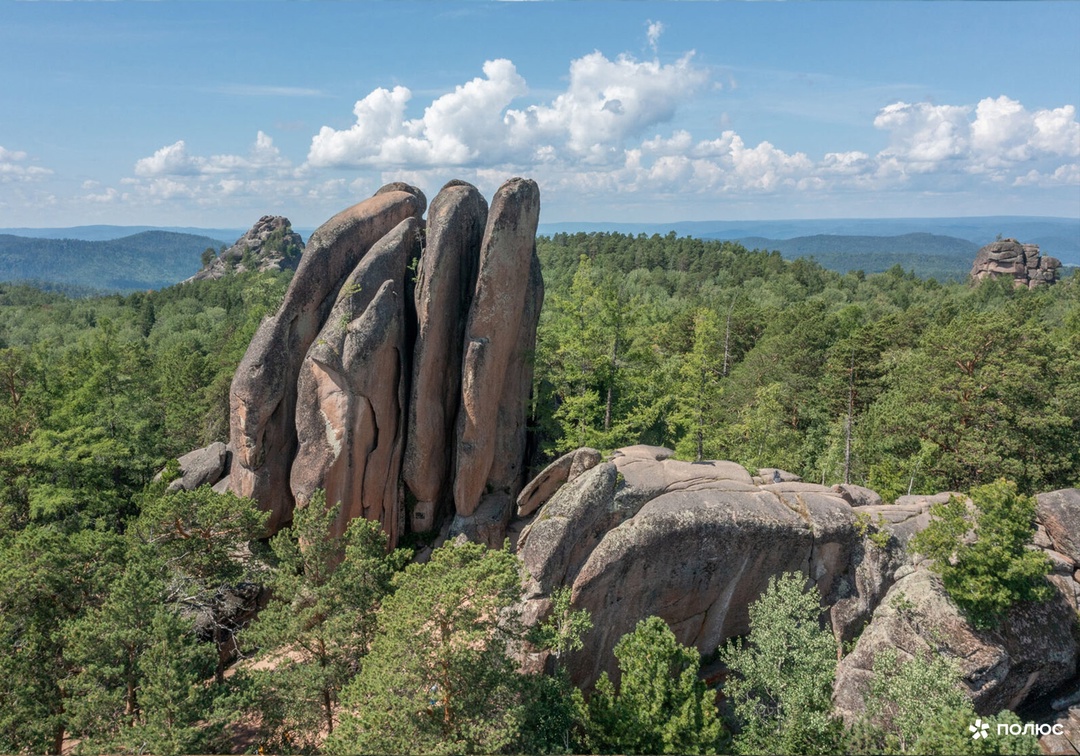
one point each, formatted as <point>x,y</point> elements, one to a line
<point>446,280</point>
<point>1032,653</point>
<point>263,395</point>
<point>1022,262</point>
<point>350,413</point>
<point>696,543</point>
<point>201,467</point>
<point>322,398</point>
<point>270,244</point>
<point>500,331</point>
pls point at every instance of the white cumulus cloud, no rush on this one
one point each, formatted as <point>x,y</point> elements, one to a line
<point>606,103</point>
<point>996,137</point>
<point>456,129</point>
<point>174,160</point>
<point>14,167</point>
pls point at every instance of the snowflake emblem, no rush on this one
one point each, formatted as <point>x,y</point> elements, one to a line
<point>979,729</point>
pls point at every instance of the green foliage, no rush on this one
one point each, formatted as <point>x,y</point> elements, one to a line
<point>661,705</point>
<point>563,630</point>
<point>874,531</point>
<point>698,388</point>
<point>47,578</point>
<point>997,570</point>
<point>318,626</point>
<point>886,380</point>
<point>438,678</point>
<point>919,706</point>
<point>782,673</point>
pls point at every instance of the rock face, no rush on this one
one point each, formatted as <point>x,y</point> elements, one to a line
<point>696,543</point>
<point>693,543</point>
<point>564,469</point>
<point>334,383</point>
<point>446,280</point>
<point>263,395</point>
<point>1032,653</point>
<point>491,421</point>
<point>270,244</point>
<point>350,414</point>
<point>1059,513</point>
<point>1022,262</point>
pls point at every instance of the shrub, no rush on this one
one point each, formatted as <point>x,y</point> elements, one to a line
<point>997,570</point>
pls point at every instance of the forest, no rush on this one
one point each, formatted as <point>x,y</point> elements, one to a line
<point>114,590</point>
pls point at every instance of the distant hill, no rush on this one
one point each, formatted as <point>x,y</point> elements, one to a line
<point>929,255</point>
<point>109,233</point>
<point>146,260</point>
<point>1059,237</point>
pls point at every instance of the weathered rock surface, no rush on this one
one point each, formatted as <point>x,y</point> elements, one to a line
<point>551,478</point>
<point>350,415</point>
<point>270,244</point>
<point>1032,653</point>
<point>693,543</point>
<point>263,394</point>
<point>858,496</point>
<point>1059,514</point>
<point>506,293</point>
<point>201,467</point>
<point>446,281</point>
<point>1022,262</point>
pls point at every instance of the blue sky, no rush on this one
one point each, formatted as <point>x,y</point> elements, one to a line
<point>215,113</point>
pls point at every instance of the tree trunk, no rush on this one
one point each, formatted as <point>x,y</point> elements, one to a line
<point>727,334</point>
<point>850,418</point>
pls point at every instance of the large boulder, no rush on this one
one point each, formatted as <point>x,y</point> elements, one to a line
<point>446,280</point>
<point>508,291</point>
<point>1032,653</point>
<point>202,467</point>
<point>693,543</point>
<point>262,415</point>
<point>567,467</point>
<point>350,416</point>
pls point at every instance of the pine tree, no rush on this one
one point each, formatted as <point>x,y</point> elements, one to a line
<point>318,626</point>
<point>661,705</point>
<point>438,678</point>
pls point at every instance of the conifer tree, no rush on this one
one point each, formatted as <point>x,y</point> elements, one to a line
<point>661,705</point>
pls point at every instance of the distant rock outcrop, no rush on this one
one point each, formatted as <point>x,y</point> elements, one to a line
<point>1022,262</point>
<point>270,244</point>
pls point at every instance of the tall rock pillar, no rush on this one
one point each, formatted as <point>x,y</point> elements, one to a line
<point>506,296</point>
<point>446,280</point>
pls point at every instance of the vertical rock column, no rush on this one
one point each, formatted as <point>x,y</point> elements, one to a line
<point>505,292</point>
<point>262,411</point>
<point>446,279</point>
<point>350,414</point>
